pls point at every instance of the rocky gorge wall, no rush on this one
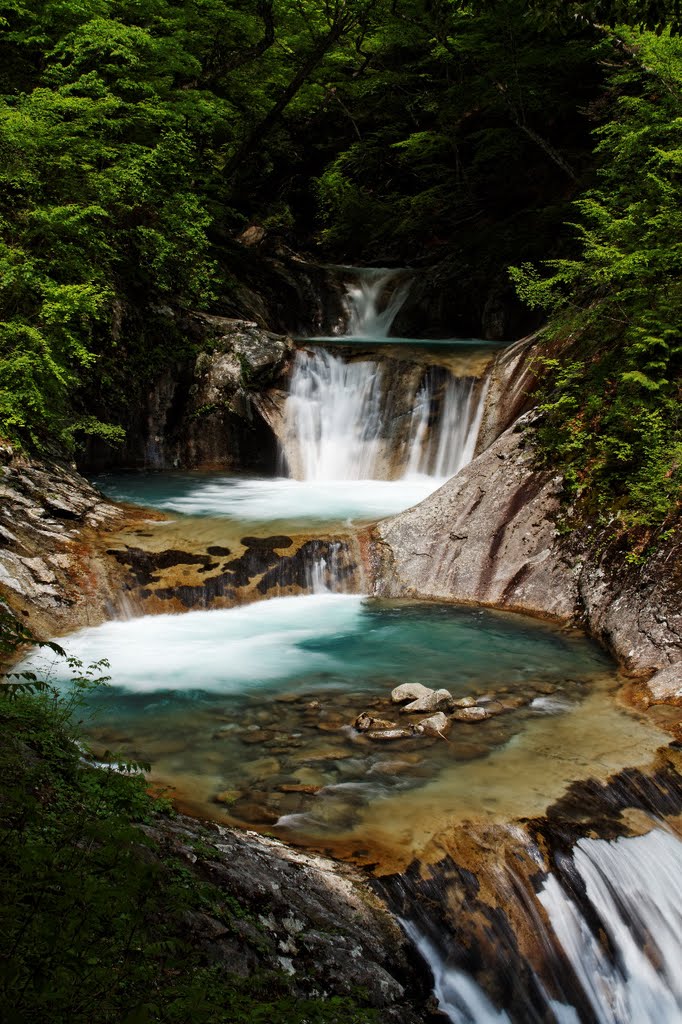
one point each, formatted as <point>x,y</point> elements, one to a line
<point>200,413</point>
<point>491,535</point>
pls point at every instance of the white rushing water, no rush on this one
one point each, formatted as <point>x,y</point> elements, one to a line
<point>632,896</point>
<point>375,296</point>
<point>334,417</point>
<point>459,997</point>
<point>443,451</point>
<point>634,889</point>
<point>227,650</point>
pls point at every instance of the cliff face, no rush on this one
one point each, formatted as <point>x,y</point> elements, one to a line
<point>202,413</point>
<point>50,570</point>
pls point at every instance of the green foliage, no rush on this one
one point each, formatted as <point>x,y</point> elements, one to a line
<point>613,404</point>
<point>92,914</point>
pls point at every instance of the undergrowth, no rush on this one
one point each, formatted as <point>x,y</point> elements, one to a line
<point>91,910</point>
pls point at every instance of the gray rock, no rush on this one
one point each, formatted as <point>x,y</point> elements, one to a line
<point>302,913</point>
<point>409,691</point>
<point>437,700</point>
<point>489,537</point>
<point>436,725</point>
<point>464,702</point>
<point>665,687</point>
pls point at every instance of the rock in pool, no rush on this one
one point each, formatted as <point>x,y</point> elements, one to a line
<point>436,725</point>
<point>409,691</point>
<point>435,700</point>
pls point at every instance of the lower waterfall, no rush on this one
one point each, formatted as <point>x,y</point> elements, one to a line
<point>608,926</point>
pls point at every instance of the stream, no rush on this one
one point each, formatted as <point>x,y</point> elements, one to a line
<point>246,711</point>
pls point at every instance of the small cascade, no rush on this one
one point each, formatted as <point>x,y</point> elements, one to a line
<point>603,940</point>
<point>330,570</point>
<point>444,427</point>
<point>623,938</point>
<point>375,297</point>
<point>459,997</point>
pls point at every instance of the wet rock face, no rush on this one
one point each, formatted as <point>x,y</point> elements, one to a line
<point>489,536</point>
<point>202,414</point>
<point>446,301</point>
<point>268,566</point>
<point>49,571</point>
<point>313,919</point>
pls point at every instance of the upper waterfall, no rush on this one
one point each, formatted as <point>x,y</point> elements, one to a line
<point>374,296</point>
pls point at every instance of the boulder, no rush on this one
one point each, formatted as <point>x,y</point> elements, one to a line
<point>436,725</point>
<point>436,700</point>
<point>409,691</point>
<point>464,702</point>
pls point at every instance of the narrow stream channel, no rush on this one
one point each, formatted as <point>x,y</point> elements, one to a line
<point>247,712</point>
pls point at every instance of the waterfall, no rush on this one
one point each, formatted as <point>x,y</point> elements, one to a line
<point>459,997</point>
<point>633,892</point>
<point>443,451</point>
<point>374,297</point>
<point>333,417</point>
<point>612,918</point>
<point>341,422</point>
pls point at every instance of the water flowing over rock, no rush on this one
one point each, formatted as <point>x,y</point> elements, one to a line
<point>362,419</point>
<point>374,297</point>
<point>570,917</point>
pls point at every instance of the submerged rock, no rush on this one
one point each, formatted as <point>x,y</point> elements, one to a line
<point>471,714</point>
<point>391,734</point>
<point>365,723</point>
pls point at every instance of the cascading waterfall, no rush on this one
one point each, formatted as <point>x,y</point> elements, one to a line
<point>615,916</point>
<point>339,423</point>
<point>339,411</point>
<point>374,297</point>
<point>333,417</point>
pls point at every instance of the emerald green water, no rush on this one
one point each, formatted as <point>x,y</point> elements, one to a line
<point>247,713</point>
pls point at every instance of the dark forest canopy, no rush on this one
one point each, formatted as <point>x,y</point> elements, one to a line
<point>139,137</point>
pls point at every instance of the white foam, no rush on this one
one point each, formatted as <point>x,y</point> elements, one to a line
<point>228,650</point>
<point>283,499</point>
<point>634,886</point>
